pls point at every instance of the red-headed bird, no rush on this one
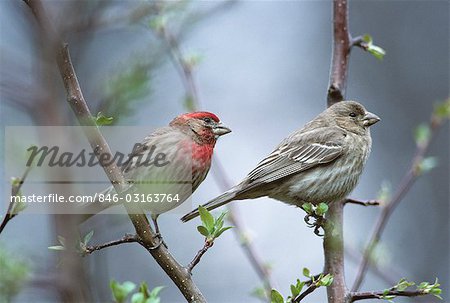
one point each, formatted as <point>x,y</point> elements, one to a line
<point>187,146</point>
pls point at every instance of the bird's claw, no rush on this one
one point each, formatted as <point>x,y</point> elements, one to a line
<point>316,222</point>
<point>161,241</point>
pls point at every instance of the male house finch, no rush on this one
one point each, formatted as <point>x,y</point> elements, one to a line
<point>187,145</point>
<point>321,162</point>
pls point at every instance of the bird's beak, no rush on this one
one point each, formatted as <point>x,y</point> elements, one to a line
<point>221,129</point>
<point>370,119</point>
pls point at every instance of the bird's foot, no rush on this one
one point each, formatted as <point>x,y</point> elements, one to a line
<point>317,222</point>
<point>161,240</point>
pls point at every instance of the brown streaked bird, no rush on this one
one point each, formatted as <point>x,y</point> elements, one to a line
<point>321,162</point>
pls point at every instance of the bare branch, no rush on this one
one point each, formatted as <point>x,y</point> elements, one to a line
<point>408,180</point>
<point>128,238</point>
<point>183,68</point>
<point>333,246</point>
<point>198,256</point>
<point>333,242</point>
<point>341,53</point>
<point>363,203</point>
<point>149,240</point>
<point>356,296</point>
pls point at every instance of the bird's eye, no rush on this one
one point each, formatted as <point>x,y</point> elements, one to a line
<point>207,120</point>
<point>352,115</point>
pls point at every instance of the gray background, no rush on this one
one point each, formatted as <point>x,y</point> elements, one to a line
<point>265,73</point>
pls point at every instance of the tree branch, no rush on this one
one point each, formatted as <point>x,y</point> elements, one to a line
<point>128,238</point>
<point>312,287</point>
<point>356,296</point>
<point>341,53</point>
<point>148,239</point>
<point>359,42</point>
<point>200,253</point>
<point>333,246</point>
<point>183,68</point>
<point>15,189</point>
<point>408,180</point>
<point>363,203</point>
<point>333,242</point>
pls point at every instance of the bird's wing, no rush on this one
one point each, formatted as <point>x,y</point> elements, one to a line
<point>156,139</point>
<point>296,154</point>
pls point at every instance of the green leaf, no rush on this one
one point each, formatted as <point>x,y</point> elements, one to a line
<point>158,23</point>
<point>220,231</point>
<point>276,297</point>
<point>121,291</point>
<point>138,298</point>
<point>427,164</point>
<point>192,60</point>
<point>88,237</point>
<point>294,291</point>
<point>220,220</point>
<point>403,284</point>
<point>18,207</point>
<point>376,51</point>
<point>155,291</point>
<point>143,289</point>
<point>321,209</point>
<point>15,181</point>
<point>306,272</point>
<point>57,247</point>
<point>202,230</point>
<point>367,38</point>
<point>384,193</point>
<point>442,110</point>
<point>388,298</point>
<point>326,280</point>
<point>101,119</point>
<point>260,293</point>
<point>422,134</point>
<point>189,103</point>
<point>423,285</point>
<point>207,218</point>
<point>308,208</point>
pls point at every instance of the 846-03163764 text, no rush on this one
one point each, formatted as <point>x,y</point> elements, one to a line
<point>110,198</point>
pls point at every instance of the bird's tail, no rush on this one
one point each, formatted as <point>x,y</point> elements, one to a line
<point>213,204</point>
<point>87,210</point>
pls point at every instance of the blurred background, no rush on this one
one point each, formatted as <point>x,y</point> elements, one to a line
<point>263,68</point>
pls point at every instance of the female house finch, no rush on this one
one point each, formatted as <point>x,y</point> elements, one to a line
<point>184,148</point>
<point>321,162</point>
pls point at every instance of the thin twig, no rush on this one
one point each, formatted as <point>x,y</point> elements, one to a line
<point>149,240</point>
<point>15,188</point>
<point>359,42</point>
<point>363,203</point>
<point>386,273</point>
<point>408,180</point>
<point>128,238</point>
<point>219,172</point>
<point>308,291</point>
<point>356,296</point>
<point>183,68</point>
<point>208,244</point>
